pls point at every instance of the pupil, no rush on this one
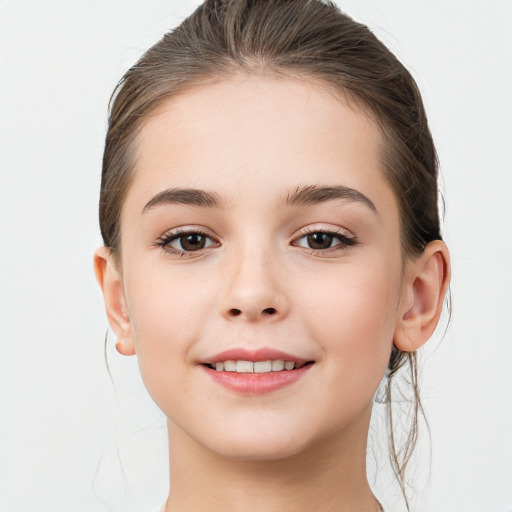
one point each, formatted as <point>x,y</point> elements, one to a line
<point>192,242</point>
<point>319,240</point>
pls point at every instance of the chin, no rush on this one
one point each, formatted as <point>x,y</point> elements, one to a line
<point>258,451</point>
<point>261,444</point>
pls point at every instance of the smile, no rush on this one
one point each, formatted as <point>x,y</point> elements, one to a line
<point>255,372</point>
<point>242,366</point>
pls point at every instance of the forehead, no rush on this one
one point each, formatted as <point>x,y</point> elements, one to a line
<point>259,135</point>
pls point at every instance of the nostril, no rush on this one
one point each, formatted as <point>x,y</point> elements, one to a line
<point>266,311</point>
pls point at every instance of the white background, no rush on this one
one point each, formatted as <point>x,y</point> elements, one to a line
<point>59,413</point>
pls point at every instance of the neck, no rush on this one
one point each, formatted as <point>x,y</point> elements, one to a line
<point>330,476</point>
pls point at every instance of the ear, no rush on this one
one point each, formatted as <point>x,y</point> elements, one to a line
<point>425,284</point>
<point>111,283</point>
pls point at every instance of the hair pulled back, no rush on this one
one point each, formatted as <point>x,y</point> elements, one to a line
<point>311,39</point>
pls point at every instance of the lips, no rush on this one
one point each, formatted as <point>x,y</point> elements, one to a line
<point>242,366</point>
<point>255,372</point>
<point>261,354</point>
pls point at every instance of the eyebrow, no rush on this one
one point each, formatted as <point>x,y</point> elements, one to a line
<point>188,196</point>
<point>314,194</point>
<point>301,196</point>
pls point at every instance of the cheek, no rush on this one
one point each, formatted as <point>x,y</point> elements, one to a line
<point>358,299</point>
<point>353,320</point>
<point>168,314</point>
<point>162,300</point>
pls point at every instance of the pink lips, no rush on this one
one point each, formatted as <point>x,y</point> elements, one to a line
<point>261,354</point>
<point>255,383</point>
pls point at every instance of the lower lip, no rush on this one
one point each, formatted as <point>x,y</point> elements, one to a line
<point>256,383</point>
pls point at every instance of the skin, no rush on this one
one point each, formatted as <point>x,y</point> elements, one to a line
<point>252,141</point>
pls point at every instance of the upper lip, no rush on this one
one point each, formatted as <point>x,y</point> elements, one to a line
<point>260,354</point>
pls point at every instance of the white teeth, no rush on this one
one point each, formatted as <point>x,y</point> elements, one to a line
<point>277,366</point>
<point>262,366</point>
<point>230,366</point>
<point>253,367</point>
<point>244,367</point>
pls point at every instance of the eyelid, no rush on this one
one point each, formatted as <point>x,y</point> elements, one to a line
<point>319,228</point>
<point>323,228</point>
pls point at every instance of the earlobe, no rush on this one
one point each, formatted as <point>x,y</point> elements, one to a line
<point>110,281</point>
<point>425,285</point>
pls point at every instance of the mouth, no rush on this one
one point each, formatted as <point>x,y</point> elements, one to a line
<point>255,372</point>
<point>246,377</point>
<point>247,366</point>
<point>260,360</point>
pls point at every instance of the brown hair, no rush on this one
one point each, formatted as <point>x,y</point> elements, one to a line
<point>301,38</point>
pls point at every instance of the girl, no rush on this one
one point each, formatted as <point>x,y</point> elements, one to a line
<point>272,249</point>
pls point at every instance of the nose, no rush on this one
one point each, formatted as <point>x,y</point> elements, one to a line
<point>255,290</point>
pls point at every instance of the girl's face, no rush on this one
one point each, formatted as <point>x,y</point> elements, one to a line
<point>260,227</point>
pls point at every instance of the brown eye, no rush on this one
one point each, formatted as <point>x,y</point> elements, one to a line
<point>192,242</point>
<point>325,241</point>
<point>183,242</point>
<point>319,240</point>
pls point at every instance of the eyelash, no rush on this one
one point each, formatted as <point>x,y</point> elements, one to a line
<point>165,240</point>
<point>345,241</point>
